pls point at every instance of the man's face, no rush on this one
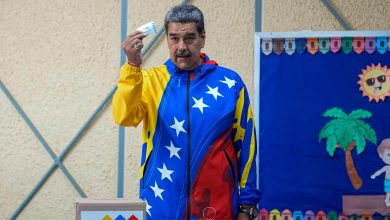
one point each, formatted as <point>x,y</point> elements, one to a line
<point>185,44</point>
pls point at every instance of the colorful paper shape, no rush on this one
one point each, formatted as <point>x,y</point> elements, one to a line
<point>301,45</point>
<point>354,217</point>
<point>274,215</point>
<point>332,215</point>
<point>346,43</point>
<point>381,44</point>
<point>286,215</point>
<point>263,214</point>
<point>370,44</point>
<point>278,45</point>
<point>377,216</point>
<point>335,44</point>
<point>312,45</point>
<point>388,43</point>
<point>133,218</point>
<point>120,217</point>
<point>358,44</point>
<point>366,216</point>
<point>375,82</point>
<point>343,216</point>
<point>320,215</point>
<point>323,44</point>
<point>266,46</point>
<point>107,217</point>
<point>309,215</point>
<point>289,45</point>
<point>298,215</point>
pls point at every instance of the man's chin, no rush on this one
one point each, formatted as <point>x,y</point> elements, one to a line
<point>185,66</point>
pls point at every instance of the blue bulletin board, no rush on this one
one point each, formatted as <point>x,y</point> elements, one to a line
<point>322,106</point>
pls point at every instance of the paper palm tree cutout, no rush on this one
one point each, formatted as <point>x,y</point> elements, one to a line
<point>347,132</point>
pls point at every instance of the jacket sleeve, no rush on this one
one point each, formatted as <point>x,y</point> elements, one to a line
<point>128,103</point>
<point>244,139</point>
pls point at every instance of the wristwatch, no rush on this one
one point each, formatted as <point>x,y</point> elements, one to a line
<point>251,211</point>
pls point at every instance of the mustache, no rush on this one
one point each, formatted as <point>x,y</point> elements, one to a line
<point>183,54</point>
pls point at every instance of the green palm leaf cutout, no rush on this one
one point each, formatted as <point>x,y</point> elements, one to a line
<point>331,145</point>
<point>366,131</point>
<point>359,113</point>
<point>360,143</point>
<point>347,128</point>
<point>328,130</point>
<point>335,113</point>
<point>348,132</point>
<point>338,132</point>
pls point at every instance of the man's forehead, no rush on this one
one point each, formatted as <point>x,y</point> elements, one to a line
<point>180,33</point>
<point>182,28</point>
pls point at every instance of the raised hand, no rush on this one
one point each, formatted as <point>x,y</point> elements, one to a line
<point>132,46</point>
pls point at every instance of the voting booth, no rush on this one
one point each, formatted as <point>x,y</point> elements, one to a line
<point>110,209</point>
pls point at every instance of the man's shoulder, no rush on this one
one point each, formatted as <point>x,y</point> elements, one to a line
<point>156,69</point>
<point>229,73</point>
<point>226,70</point>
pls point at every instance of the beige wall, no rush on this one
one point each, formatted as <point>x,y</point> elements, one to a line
<point>59,59</point>
<point>297,15</point>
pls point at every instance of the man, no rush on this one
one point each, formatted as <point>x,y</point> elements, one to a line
<point>198,156</point>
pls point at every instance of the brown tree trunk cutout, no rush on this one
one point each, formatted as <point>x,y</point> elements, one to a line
<point>354,177</point>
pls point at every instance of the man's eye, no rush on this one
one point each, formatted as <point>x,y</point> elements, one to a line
<point>189,39</point>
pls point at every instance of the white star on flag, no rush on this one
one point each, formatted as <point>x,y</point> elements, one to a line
<point>214,92</point>
<point>199,104</point>
<point>165,173</point>
<point>229,82</point>
<point>178,126</point>
<point>148,207</point>
<point>157,191</point>
<point>173,151</point>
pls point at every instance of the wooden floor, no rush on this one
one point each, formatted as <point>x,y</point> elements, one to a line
<point>365,204</point>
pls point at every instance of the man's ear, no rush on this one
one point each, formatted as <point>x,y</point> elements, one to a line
<point>203,37</point>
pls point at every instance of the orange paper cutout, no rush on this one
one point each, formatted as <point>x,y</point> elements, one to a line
<point>312,45</point>
<point>358,44</point>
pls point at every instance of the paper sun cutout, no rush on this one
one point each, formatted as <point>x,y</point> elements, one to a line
<point>375,82</point>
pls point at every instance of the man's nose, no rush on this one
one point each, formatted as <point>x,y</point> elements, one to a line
<point>182,45</point>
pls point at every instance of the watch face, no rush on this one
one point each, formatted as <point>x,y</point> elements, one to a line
<point>254,212</point>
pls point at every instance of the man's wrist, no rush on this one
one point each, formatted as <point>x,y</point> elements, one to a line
<point>133,64</point>
<point>249,210</point>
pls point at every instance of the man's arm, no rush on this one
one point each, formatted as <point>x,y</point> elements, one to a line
<point>128,107</point>
<point>244,139</point>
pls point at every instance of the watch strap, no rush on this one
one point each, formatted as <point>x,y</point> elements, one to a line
<point>250,211</point>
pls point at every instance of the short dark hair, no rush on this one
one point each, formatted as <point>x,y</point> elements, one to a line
<point>185,13</point>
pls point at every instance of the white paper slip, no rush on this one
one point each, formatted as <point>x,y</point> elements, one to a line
<point>149,28</point>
